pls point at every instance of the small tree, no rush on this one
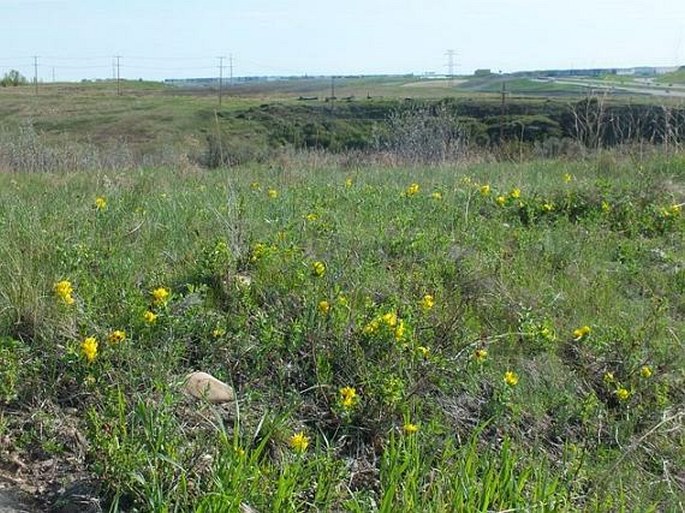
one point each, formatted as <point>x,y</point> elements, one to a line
<point>13,78</point>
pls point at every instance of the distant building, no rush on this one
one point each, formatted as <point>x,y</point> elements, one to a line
<point>482,72</point>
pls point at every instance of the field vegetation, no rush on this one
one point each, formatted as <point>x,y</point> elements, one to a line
<point>466,332</point>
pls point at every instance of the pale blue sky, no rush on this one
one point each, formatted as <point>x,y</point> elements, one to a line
<point>173,38</point>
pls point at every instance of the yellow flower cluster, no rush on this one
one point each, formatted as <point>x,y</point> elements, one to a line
<point>318,268</point>
<point>299,442</point>
<point>515,193</point>
<point>100,203</point>
<point>501,200</point>
<point>324,307</point>
<point>672,211</point>
<point>160,296</point>
<point>410,429</point>
<point>64,290</point>
<point>437,195</point>
<point>348,182</point>
<point>387,322</point>
<point>311,217</point>
<point>485,190</point>
<point>116,337</point>
<point>427,302</point>
<point>623,394</point>
<point>89,349</point>
<point>646,371</point>
<point>258,251</point>
<point>511,378</point>
<point>348,397</point>
<point>412,190</point>
<point>480,355</point>
<point>568,177</point>
<point>581,333</point>
<point>150,317</point>
<point>423,351</point>
<point>272,193</point>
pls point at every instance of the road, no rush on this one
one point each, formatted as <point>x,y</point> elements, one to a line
<point>674,91</point>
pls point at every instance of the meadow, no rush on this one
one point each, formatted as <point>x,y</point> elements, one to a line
<point>463,337</point>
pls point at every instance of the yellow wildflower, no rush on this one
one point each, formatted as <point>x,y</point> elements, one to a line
<point>547,206</point>
<point>500,200</point>
<point>218,332</point>
<point>311,217</point>
<point>89,349</point>
<point>400,330</point>
<point>480,355</point>
<point>409,429</point>
<point>423,351</point>
<point>412,190</point>
<point>64,290</point>
<point>258,251</point>
<point>318,268</point>
<point>515,193</point>
<point>272,193</point>
<point>150,317</point>
<point>371,327</point>
<point>116,336</point>
<point>160,295</point>
<point>511,378</point>
<point>606,208</point>
<point>623,394</point>
<point>609,377</point>
<point>427,302</point>
<point>581,333</point>
<point>568,177</point>
<point>673,210</point>
<point>324,307</point>
<point>100,203</point>
<point>646,371</point>
<point>390,319</point>
<point>348,182</point>
<point>437,195</point>
<point>348,397</point>
<point>485,190</point>
<point>255,186</point>
<point>299,442</point>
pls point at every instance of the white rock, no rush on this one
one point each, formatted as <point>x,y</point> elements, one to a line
<point>206,386</point>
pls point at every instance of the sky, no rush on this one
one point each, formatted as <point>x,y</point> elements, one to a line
<point>158,39</point>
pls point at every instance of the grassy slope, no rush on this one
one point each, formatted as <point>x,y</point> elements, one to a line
<point>515,280</point>
<point>677,77</point>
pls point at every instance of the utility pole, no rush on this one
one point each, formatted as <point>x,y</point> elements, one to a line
<point>35,73</point>
<point>221,77</point>
<point>230,61</point>
<point>450,65</point>
<point>53,74</point>
<point>117,57</point>
<point>502,111</point>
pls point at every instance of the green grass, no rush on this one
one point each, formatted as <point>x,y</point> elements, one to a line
<point>596,243</point>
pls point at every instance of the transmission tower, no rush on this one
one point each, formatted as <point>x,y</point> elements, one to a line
<point>450,65</point>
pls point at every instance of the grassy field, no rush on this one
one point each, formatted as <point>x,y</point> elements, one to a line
<point>481,337</point>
